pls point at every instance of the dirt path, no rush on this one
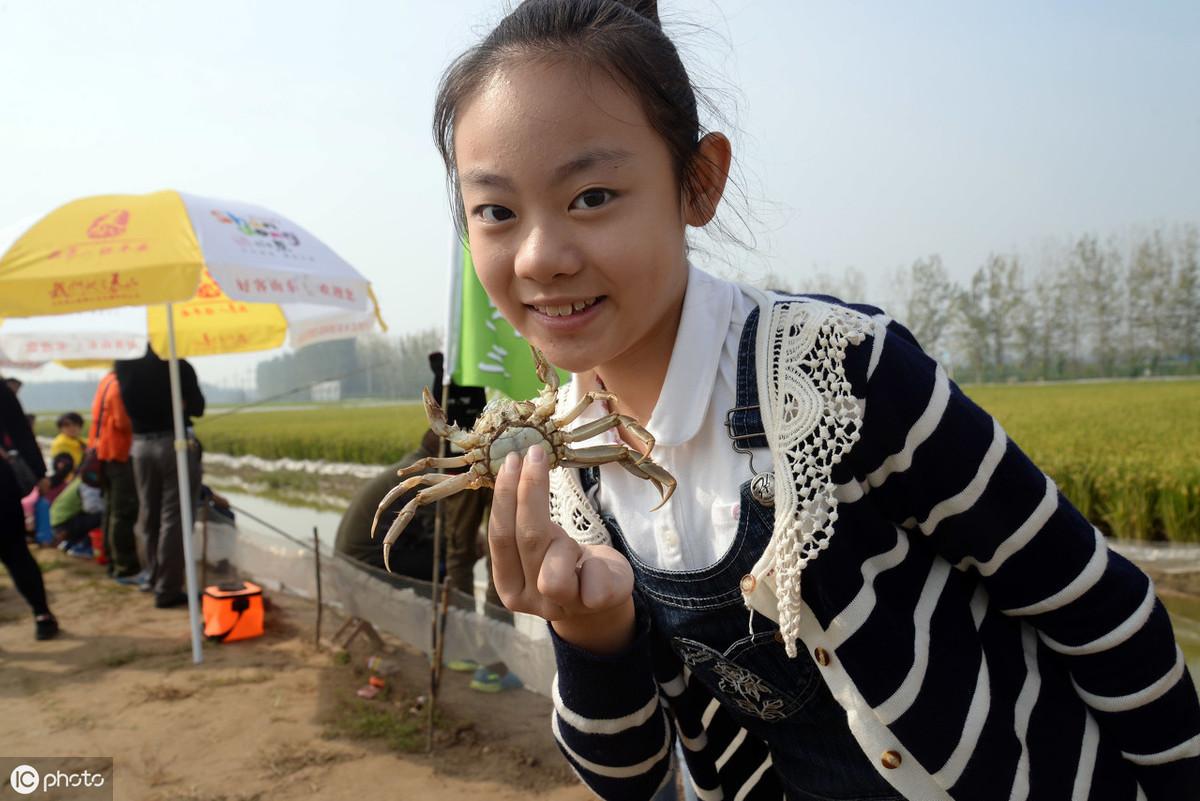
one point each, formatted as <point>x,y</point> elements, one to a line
<point>270,718</point>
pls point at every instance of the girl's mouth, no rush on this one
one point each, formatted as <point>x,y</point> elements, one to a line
<point>567,318</point>
<point>567,310</point>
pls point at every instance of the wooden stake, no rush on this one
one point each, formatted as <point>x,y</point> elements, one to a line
<point>441,642</point>
<point>317,559</point>
<point>438,526</point>
<point>203,545</point>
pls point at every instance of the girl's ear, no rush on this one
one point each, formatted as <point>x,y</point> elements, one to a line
<point>705,180</point>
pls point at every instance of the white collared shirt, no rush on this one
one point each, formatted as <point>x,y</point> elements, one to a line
<point>697,526</point>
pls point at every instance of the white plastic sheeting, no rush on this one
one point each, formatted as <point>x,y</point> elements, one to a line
<point>397,605</point>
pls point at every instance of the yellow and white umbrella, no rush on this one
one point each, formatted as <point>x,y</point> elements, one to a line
<point>211,323</point>
<point>214,277</point>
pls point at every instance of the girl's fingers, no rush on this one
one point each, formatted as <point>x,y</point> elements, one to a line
<point>605,578</point>
<point>558,579</point>
<point>533,525</point>
<point>507,571</point>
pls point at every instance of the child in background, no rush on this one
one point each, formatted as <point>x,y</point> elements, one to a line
<point>70,426</point>
<point>964,634</point>
<point>62,467</point>
<point>74,513</point>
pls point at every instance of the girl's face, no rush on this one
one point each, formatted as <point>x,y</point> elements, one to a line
<point>574,214</point>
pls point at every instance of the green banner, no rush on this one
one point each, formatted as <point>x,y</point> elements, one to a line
<point>489,352</point>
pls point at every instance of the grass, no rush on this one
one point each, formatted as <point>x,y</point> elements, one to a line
<point>370,721</point>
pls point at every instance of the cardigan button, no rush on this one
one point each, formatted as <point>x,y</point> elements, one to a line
<point>778,636</point>
<point>890,759</point>
<point>822,657</point>
<point>748,583</point>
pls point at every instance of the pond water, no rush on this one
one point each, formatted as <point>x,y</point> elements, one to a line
<point>272,517</point>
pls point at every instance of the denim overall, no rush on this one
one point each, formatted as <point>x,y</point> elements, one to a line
<point>701,613</point>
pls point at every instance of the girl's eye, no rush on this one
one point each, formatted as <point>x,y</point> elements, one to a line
<point>494,214</point>
<point>592,199</point>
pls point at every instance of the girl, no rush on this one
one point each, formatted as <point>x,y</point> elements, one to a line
<point>964,633</point>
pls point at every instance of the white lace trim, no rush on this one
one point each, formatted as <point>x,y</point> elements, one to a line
<point>569,506</point>
<point>812,420</point>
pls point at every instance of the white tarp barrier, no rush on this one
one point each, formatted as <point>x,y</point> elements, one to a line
<point>397,605</point>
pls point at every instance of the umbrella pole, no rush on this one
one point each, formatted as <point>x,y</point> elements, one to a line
<point>185,489</point>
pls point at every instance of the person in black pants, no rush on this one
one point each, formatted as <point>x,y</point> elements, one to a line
<point>15,434</point>
<point>146,391</point>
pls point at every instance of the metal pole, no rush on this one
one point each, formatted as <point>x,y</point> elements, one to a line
<point>185,488</point>
<point>317,556</point>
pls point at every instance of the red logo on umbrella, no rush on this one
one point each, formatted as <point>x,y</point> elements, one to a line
<point>110,224</point>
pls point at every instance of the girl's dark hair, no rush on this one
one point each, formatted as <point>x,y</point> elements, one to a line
<point>622,37</point>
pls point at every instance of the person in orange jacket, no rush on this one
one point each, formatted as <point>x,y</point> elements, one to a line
<point>111,434</point>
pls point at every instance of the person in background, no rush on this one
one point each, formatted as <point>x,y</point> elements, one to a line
<point>14,384</point>
<point>73,514</point>
<point>412,555</point>
<point>145,386</point>
<point>62,467</point>
<point>70,426</point>
<point>111,435</point>
<point>14,552</point>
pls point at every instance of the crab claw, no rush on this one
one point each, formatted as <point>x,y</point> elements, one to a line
<point>545,373</point>
<point>436,416</point>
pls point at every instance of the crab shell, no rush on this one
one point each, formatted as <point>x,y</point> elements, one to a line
<point>518,439</point>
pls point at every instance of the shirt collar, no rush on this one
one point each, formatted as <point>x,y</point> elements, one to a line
<point>687,390</point>
<point>695,357</point>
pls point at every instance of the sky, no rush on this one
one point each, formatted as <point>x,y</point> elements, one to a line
<point>866,135</point>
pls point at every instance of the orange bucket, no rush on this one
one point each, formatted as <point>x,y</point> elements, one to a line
<point>97,538</point>
<point>233,611</point>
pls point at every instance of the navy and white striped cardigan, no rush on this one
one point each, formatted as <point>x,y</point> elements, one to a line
<point>978,630</point>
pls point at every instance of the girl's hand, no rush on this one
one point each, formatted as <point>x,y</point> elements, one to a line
<point>586,591</point>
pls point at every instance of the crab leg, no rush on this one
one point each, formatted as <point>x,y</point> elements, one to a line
<point>584,402</point>
<point>440,490</point>
<point>589,430</point>
<point>437,461</point>
<point>403,487</point>
<point>627,458</point>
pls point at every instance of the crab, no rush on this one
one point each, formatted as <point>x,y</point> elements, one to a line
<point>506,426</point>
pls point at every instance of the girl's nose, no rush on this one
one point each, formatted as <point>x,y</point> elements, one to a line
<point>546,254</point>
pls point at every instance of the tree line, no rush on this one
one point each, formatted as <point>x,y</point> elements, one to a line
<point>1086,309</point>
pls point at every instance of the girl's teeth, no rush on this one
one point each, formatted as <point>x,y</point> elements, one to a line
<point>564,311</point>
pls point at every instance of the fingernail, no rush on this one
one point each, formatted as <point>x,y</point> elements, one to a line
<point>512,463</point>
<point>536,455</point>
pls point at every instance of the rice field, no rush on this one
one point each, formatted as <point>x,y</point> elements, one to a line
<point>376,434</point>
<point>1126,453</point>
